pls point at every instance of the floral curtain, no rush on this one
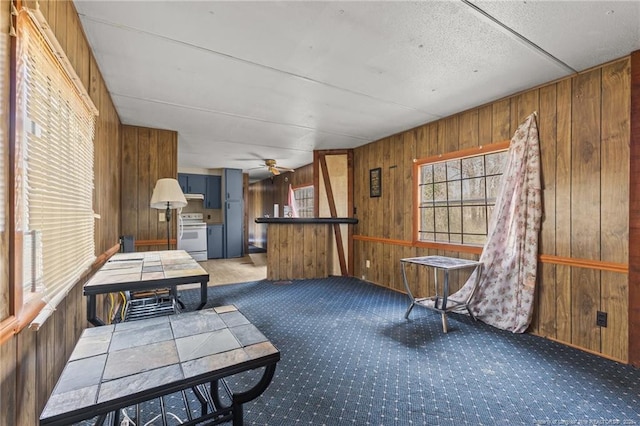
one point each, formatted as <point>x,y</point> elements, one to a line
<point>505,293</point>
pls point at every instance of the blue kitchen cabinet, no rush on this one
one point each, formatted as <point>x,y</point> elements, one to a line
<point>215,241</point>
<point>232,184</point>
<point>233,229</point>
<point>212,197</point>
<point>183,180</point>
<point>192,184</point>
<point>197,184</point>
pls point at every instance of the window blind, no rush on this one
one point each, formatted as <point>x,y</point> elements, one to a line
<point>55,129</point>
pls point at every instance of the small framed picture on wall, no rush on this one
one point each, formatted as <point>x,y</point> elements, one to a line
<point>375,182</point>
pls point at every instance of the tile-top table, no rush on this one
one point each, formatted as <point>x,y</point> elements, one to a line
<point>124,364</point>
<point>144,271</point>
<point>444,264</point>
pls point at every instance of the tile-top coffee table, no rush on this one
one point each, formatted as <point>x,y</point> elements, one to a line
<point>144,271</point>
<point>125,364</point>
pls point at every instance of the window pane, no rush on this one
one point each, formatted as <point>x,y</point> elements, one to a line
<point>475,220</point>
<point>426,174</point>
<point>426,194</point>
<point>454,192</point>
<point>426,220</point>
<point>493,186</point>
<point>455,238</point>
<point>442,219</point>
<point>442,237</point>
<point>473,191</point>
<point>455,219</point>
<point>496,162</point>
<point>439,172</point>
<point>474,239</point>
<point>473,166</point>
<point>426,236</point>
<point>440,192</point>
<point>453,170</point>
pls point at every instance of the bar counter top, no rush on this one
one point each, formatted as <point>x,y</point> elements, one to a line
<point>304,220</point>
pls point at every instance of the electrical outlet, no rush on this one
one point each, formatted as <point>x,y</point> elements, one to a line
<point>367,263</point>
<point>161,216</point>
<point>601,319</point>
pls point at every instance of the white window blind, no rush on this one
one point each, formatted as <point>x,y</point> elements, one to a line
<point>54,170</point>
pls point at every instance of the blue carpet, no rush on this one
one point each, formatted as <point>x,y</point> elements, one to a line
<point>350,357</point>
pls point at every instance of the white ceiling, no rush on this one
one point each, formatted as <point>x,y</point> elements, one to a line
<point>245,81</point>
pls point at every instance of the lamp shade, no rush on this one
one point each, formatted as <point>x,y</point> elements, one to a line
<point>167,190</point>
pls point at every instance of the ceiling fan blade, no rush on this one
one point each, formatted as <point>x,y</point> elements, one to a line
<point>274,171</point>
<point>285,169</point>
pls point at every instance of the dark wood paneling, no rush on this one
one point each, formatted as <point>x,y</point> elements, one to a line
<point>545,313</point>
<point>614,202</point>
<point>562,229</point>
<point>585,207</point>
<point>634,213</point>
<point>147,155</point>
<point>297,251</point>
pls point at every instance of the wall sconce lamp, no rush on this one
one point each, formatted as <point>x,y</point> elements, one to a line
<point>167,195</point>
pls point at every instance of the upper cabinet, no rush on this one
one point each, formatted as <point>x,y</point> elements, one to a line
<point>232,184</point>
<point>207,185</point>
<point>183,180</point>
<point>192,184</point>
<point>212,198</point>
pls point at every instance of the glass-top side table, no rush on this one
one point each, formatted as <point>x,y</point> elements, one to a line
<point>440,302</point>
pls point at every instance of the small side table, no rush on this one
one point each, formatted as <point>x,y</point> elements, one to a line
<point>445,264</point>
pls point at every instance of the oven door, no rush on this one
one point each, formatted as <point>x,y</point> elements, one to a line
<point>194,237</point>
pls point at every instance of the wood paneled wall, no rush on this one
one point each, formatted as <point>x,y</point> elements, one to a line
<point>299,251</point>
<point>147,155</point>
<point>265,193</point>
<point>31,362</point>
<point>634,214</point>
<point>584,136</point>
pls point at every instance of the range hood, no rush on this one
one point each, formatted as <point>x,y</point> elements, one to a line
<point>194,196</point>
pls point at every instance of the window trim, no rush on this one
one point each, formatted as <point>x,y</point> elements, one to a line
<point>417,163</point>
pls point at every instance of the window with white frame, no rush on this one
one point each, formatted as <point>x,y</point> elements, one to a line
<point>304,200</point>
<point>53,165</point>
<point>456,196</point>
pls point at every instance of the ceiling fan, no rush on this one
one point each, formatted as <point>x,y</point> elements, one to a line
<point>274,169</point>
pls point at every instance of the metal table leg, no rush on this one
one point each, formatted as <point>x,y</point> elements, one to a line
<point>92,316</point>
<point>406,286</point>
<point>203,294</point>
<point>445,295</point>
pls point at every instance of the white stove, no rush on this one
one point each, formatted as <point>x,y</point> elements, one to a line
<point>192,235</point>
